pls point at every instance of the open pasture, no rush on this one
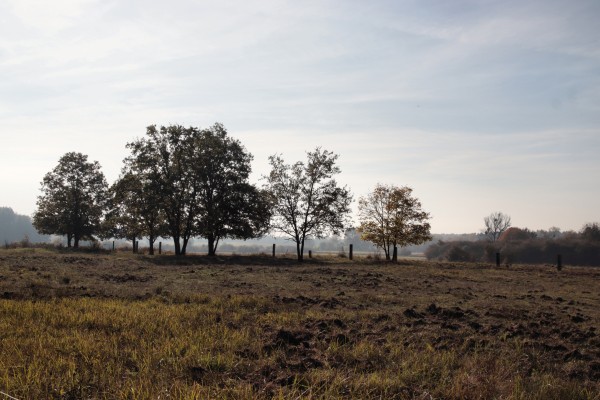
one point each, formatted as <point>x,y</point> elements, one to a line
<point>105,326</point>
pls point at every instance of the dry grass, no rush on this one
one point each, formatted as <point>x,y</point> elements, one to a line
<point>78,326</point>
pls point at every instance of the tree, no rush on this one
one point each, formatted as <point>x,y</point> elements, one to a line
<point>73,199</point>
<point>306,201</point>
<point>495,224</point>
<point>229,206</point>
<point>390,216</point>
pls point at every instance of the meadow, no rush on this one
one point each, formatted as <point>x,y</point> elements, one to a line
<point>123,326</point>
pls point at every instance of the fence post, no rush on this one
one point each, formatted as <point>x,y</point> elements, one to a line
<point>310,254</point>
<point>395,255</point>
<point>113,245</point>
<point>497,259</point>
<point>273,250</point>
<point>350,253</point>
<point>559,262</point>
<point>159,248</point>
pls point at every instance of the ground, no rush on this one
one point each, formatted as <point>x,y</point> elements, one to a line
<point>76,325</point>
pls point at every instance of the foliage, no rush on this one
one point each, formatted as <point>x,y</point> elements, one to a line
<point>516,234</point>
<point>390,216</point>
<point>496,223</point>
<point>306,201</point>
<point>73,199</point>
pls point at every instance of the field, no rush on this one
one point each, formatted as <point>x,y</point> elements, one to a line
<point>106,326</point>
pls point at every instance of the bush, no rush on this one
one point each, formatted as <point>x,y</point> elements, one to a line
<point>456,253</point>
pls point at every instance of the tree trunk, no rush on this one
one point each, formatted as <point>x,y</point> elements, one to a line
<point>151,240</point>
<point>299,251</point>
<point>184,245</point>
<point>76,242</point>
<point>176,245</point>
<point>211,245</point>
<point>69,237</point>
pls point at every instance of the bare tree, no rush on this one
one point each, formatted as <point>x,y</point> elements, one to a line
<point>495,224</point>
<point>306,201</point>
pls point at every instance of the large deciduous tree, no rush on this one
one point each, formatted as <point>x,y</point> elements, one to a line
<point>390,216</point>
<point>495,224</point>
<point>307,202</point>
<point>73,199</point>
<point>229,206</point>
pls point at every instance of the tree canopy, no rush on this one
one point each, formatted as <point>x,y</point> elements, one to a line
<point>306,200</point>
<point>390,216</point>
<point>73,199</point>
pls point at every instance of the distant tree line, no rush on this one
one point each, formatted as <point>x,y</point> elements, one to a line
<point>183,183</point>
<point>517,245</point>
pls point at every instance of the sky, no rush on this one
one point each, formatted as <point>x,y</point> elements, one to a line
<point>479,106</point>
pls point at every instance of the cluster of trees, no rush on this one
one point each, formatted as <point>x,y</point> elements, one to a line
<point>182,183</point>
<point>521,245</point>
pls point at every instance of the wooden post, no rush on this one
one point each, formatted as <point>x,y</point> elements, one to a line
<point>559,262</point>
<point>497,259</point>
<point>350,252</point>
<point>310,254</point>
<point>113,245</point>
<point>395,256</point>
<point>159,248</point>
<point>273,250</point>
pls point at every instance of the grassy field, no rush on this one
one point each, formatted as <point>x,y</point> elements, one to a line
<point>78,326</point>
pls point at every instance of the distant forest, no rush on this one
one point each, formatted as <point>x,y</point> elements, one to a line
<point>15,228</point>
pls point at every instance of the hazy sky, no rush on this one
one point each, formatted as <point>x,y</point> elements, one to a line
<point>479,106</point>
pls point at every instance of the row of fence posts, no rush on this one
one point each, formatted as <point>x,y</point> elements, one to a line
<point>558,261</point>
<point>350,252</point>
<point>136,244</point>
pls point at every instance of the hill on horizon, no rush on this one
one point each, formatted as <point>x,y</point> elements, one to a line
<point>16,227</point>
